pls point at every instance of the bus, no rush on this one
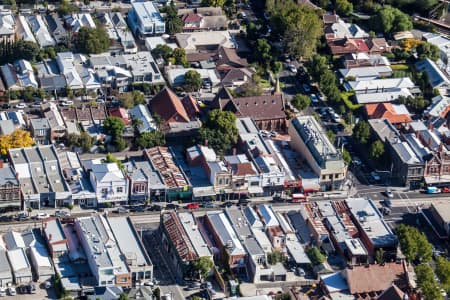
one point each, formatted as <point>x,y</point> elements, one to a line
<point>298,197</point>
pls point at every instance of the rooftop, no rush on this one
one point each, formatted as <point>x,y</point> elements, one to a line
<point>380,84</point>
<point>193,41</point>
<point>178,236</point>
<point>443,209</point>
<point>53,231</point>
<point>190,226</point>
<point>436,78</point>
<point>371,221</point>
<point>163,161</point>
<point>225,232</point>
<point>395,113</point>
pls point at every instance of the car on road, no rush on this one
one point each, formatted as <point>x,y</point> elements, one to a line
<point>21,105</point>
<point>433,190</point>
<point>155,207</point>
<point>12,291</point>
<point>193,206</point>
<point>335,117</point>
<point>389,193</point>
<point>227,204</point>
<point>243,15</point>
<point>193,286</point>
<point>40,216</point>
<point>445,189</point>
<point>357,161</point>
<point>243,202</point>
<point>208,205</point>
<point>61,214</point>
<point>388,202</point>
<point>6,106</point>
<point>31,288</point>
<point>67,103</point>
<point>292,68</point>
<point>2,292</point>
<point>172,206</point>
<point>122,210</point>
<point>100,100</point>
<point>137,208</point>
<point>374,175</point>
<point>385,211</point>
<point>306,88</point>
<point>314,99</point>
<point>300,272</point>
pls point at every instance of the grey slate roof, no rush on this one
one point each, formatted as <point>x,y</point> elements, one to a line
<point>7,175</point>
<point>6,126</point>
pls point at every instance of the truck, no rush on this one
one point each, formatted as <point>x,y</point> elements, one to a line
<point>299,197</point>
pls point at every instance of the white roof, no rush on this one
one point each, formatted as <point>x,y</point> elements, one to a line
<point>191,40</point>
<point>141,112</point>
<point>348,30</point>
<point>24,30</point>
<point>196,238</point>
<point>152,42</point>
<point>176,76</point>
<point>438,105</point>
<point>40,31</point>
<point>366,73</point>
<point>107,172</point>
<point>41,256</point>
<point>366,98</point>
<point>388,83</point>
<point>18,260</point>
<point>335,282</point>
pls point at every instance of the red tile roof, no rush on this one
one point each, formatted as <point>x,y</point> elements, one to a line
<point>120,113</point>
<point>264,107</point>
<point>169,107</point>
<point>243,169</point>
<point>192,18</point>
<point>345,46</point>
<point>374,278</point>
<point>178,237</point>
<point>386,111</point>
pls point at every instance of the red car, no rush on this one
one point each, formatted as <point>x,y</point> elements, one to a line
<point>445,189</point>
<point>192,206</point>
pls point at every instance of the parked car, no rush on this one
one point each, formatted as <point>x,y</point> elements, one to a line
<point>6,106</point>
<point>445,189</point>
<point>122,210</point>
<point>335,117</point>
<point>155,207</point>
<point>21,216</point>
<point>300,272</point>
<point>375,176</point>
<point>388,202</point>
<point>12,291</point>
<point>193,286</point>
<point>100,100</point>
<point>357,161</point>
<point>35,105</point>
<point>209,205</point>
<point>306,88</point>
<point>2,292</point>
<point>31,287</point>
<point>385,211</point>
<point>292,68</point>
<point>243,202</point>
<point>61,214</point>
<point>48,284</point>
<point>314,99</point>
<point>172,206</point>
<point>40,216</point>
<point>192,206</point>
<point>67,103</point>
<point>227,204</point>
<point>21,105</point>
<point>433,190</point>
<point>389,193</point>
<point>137,208</point>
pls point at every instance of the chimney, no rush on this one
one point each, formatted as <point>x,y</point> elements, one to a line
<point>1,163</point>
<point>429,141</point>
<point>206,143</point>
<point>430,126</point>
<point>234,151</point>
<point>50,237</point>
<point>17,175</point>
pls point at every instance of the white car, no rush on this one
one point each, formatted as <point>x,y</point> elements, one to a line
<point>292,68</point>
<point>67,103</point>
<point>314,99</point>
<point>2,292</point>
<point>389,193</point>
<point>12,291</point>
<point>21,105</point>
<point>41,215</point>
<point>336,118</point>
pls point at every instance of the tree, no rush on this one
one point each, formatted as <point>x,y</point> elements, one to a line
<point>25,50</point>
<point>277,66</point>
<point>92,40</point>
<point>346,156</point>
<point>113,126</point>
<point>443,271</point>
<point>18,139</point>
<point>299,25</point>
<point>66,8</point>
<point>361,132</point>
<point>179,55</point>
<point>174,24</point>
<point>376,149</point>
<point>300,101</point>
<point>389,20</point>
<point>157,293</point>
<point>123,296</point>
<point>203,266</point>
<point>428,50</point>
<point>219,130</point>
<point>274,257</point>
<point>262,53</point>
<point>150,139</point>
<point>379,256</point>
<point>315,255</point>
<point>249,89</point>
<point>162,51</point>
<point>427,283</point>
<point>192,81</point>
<point>216,3</point>
<point>331,136</point>
<point>414,244</point>
<point>317,65</point>
<point>344,7</point>
<point>69,206</point>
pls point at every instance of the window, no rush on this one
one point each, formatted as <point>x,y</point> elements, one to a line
<point>119,189</point>
<point>336,175</point>
<point>324,177</point>
<point>227,181</point>
<point>254,183</point>
<point>104,190</point>
<point>330,176</point>
<point>103,283</point>
<point>220,181</point>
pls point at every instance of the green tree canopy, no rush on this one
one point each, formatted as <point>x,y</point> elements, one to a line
<point>174,24</point>
<point>274,257</point>
<point>83,140</point>
<point>150,139</point>
<point>317,65</point>
<point>114,127</point>
<point>344,7</point>
<point>192,81</point>
<point>299,25</point>
<point>262,53</point>
<point>300,101</point>
<point>162,51</point>
<point>376,149</point>
<point>220,130</point>
<point>443,271</point>
<point>92,40</point>
<point>315,255</point>
<point>426,282</point>
<point>179,55</point>
<point>428,50</point>
<point>389,20</point>
<point>203,266</point>
<point>361,132</point>
<point>414,244</point>
<point>216,3</point>
<point>331,136</point>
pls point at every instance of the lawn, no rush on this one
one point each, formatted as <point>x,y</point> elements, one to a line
<point>345,96</point>
<point>400,67</point>
<point>264,83</point>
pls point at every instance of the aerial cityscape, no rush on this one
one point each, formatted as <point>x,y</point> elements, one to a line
<point>225,149</point>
